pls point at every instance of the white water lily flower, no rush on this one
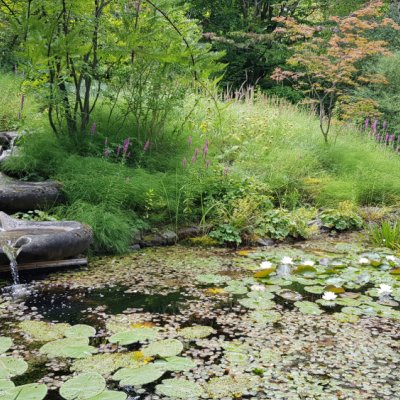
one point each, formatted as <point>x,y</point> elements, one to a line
<point>363,260</point>
<point>329,296</point>
<point>384,290</point>
<point>287,260</point>
<point>265,265</point>
<point>258,288</point>
<point>309,263</point>
<point>391,258</point>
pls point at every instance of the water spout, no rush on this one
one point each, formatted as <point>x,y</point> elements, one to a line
<point>12,253</point>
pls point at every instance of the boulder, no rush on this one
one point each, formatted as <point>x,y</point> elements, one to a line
<point>24,196</point>
<point>44,241</point>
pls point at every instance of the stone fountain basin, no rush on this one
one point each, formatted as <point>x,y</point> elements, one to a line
<point>43,241</point>
<point>24,196</point>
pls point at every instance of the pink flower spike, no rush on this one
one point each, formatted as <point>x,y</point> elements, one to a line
<point>193,160</point>
<point>190,140</point>
<point>196,152</point>
<point>93,129</point>
<point>126,146</point>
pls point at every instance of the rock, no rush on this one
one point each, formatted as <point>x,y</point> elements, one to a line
<point>164,238</point>
<point>43,241</point>
<point>265,242</point>
<point>24,196</point>
<point>7,140</point>
<point>189,232</point>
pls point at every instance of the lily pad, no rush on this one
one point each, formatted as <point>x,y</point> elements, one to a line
<point>196,332</point>
<point>5,344</point>
<point>257,303</point>
<point>163,348</point>
<point>342,317</point>
<point>307,307</point>
<point>139,376</point>
<point>10,367</point>
<point>6,384</point>
<point>105,364</point>
<point>43,331</point>
<point>80,331</point>
<point>33,391</point>
<point>210,279</point>
<point>236,287</point>
<point>265,317</point>
<point>290,295</point>
<point>133,336</point>
<point>179,389</point>
<point>314,289</point>
<point>110,395</point>
<point>68,348</point>
<point>230,386</point>
<point>82,387</point>
<point>176,364</point>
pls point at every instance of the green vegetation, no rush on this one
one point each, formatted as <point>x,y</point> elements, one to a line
<point>386,235</point>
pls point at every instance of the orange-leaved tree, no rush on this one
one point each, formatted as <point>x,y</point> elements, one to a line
<point>326,60</point>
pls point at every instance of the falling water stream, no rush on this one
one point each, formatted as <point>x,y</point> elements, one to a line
<point>12,253</point>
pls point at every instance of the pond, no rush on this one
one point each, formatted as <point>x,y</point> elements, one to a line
<point>317,320</point>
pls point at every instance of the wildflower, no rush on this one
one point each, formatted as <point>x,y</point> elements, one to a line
<point>287,260</point>
<point>93,129</point>
<point>386,138</point>
<point>196,152</point>
<point>265,265</point>
<point>391,258</point>
<point>190,140</point>
<point>363,260</point>
<point>366,123</point>
<point>126,146</point>
<point>208,163</point>
<point>329,296</point>
<point>384,290</point>
<point>258,288</point>
<point>374,126</point>
<point>184,163</point>
<point>193,160</point>
<point>391,138</point>
<point>146,145</point>
<point>205,150</point>
<point>309,263</point>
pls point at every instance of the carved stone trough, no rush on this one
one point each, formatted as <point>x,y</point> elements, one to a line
<point>39,243</point>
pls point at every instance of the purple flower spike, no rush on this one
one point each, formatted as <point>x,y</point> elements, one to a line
<point>387,137</point>
<point>391,138</point>
<point>184,163</point>
<point>118,150</point>
<point>126,146</point>
<point>146,145</point>
<point>193,159</point>
<point>93,129</point>
<point>190,140</point>
<point>208,163</point>
<point>196,152</point>
<point>374,126</point>
<point>366,124</point>
<point>205,150</point>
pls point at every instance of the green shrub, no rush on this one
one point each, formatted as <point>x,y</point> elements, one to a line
<point>226,234</point>
<point>343,219</point>
<point>386,235</point>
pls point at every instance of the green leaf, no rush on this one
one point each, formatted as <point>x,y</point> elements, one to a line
<point>10,367</point>
<point>179,389</point>
<point>5,344</point>
<point>33,391</point>
<point>82,387</point>
<point>110,395</point>
<point>43,331</point>
<point>265,317</point>
<point>68,348</point>
<point>80,331</point>
<point>176,364</point>
<point>196,332</point>
<point>257,303</point>
<point>5,384</point>
<point>163,348</point>
<point>307,307</point>
<point>133,336</point>
<point>211,279</point>
<point>105,364</point>
<point>138,376</point>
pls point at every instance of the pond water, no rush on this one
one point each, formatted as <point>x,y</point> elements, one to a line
<point>211,323</point>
